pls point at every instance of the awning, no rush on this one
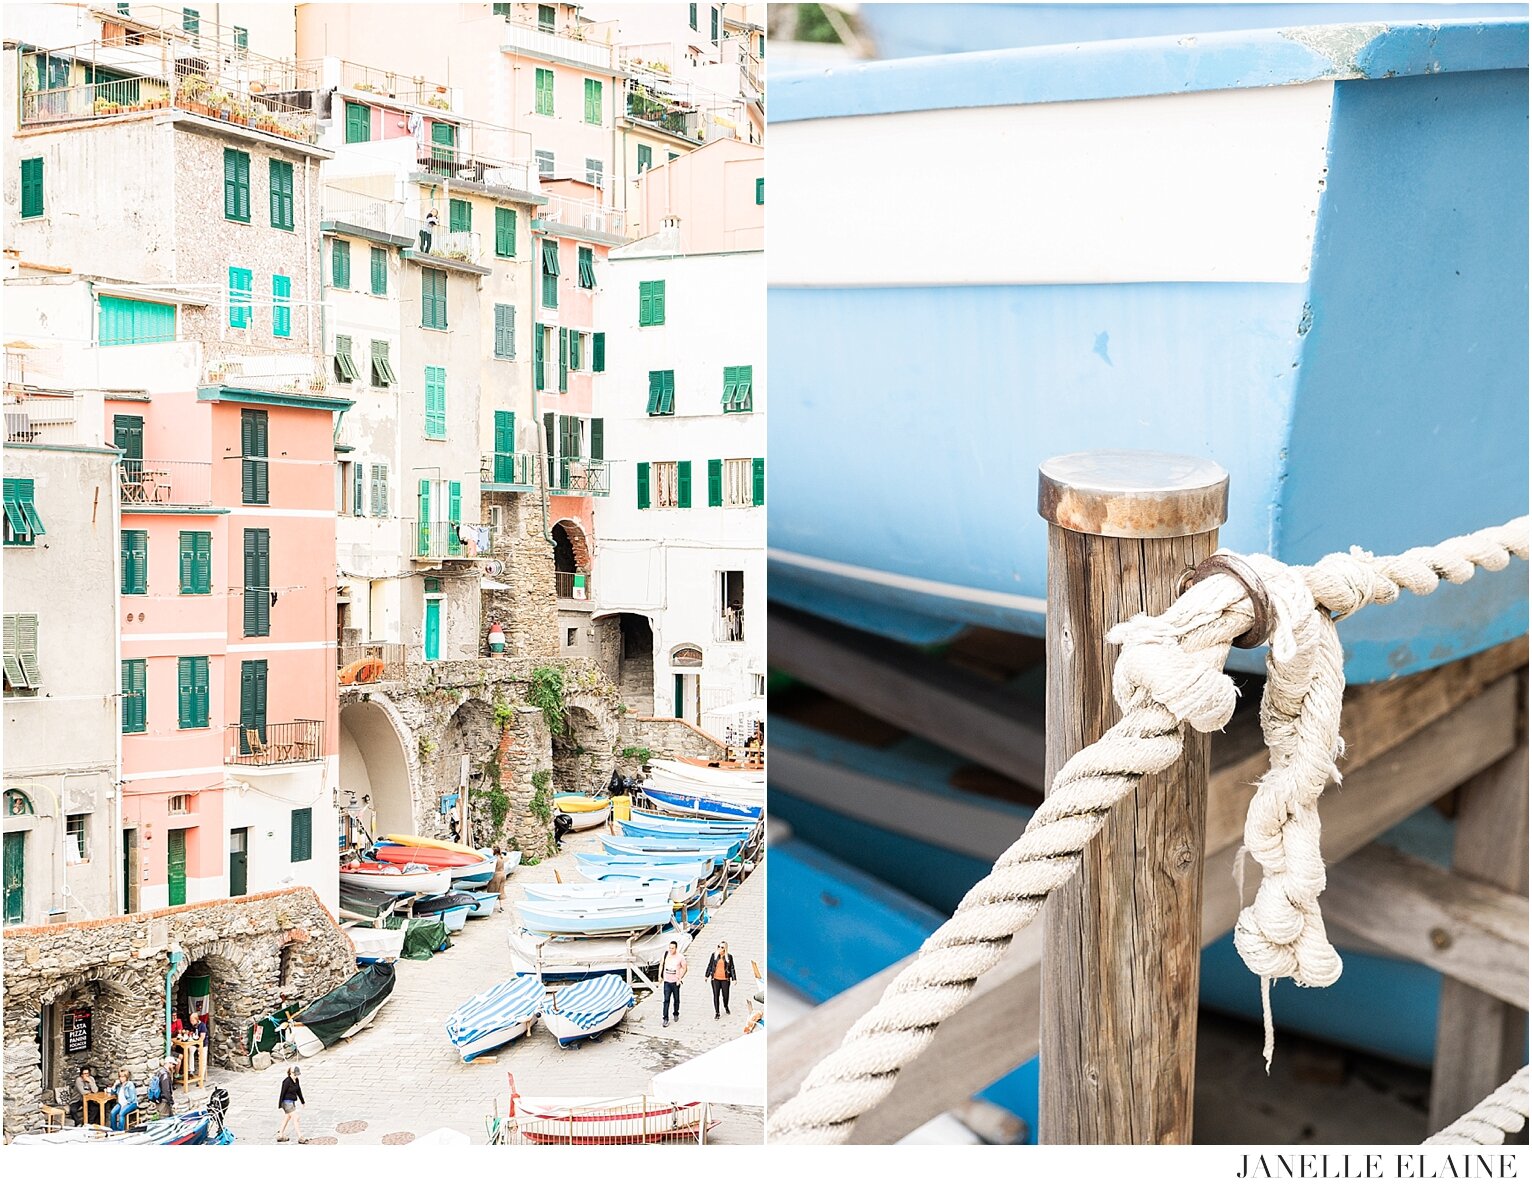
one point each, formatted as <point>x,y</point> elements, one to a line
<point>734,1073</point>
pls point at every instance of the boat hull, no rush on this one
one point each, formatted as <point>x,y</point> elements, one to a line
<point>375,945</point>
<point>640,890</point>
<point>565,958</point>
<point>569,918</point>
<point>427,882</point>
<point>310,1044</point>
<point>568,1122</point>
<point>701,806</point>
<point>567,1033</point>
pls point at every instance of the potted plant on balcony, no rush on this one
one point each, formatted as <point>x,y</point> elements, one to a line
<point>191,94</point>
<point>218,103</point>
<point>439,102</point>
<point>319,383</point>
<point>103,106</point>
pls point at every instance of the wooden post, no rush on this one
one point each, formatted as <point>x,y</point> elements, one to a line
<point>1123,938</point>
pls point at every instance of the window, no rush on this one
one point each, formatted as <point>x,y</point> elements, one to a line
<point>123,320</point>
<point>714,13</point>
<point>281,306</point>
<point>551,274</point>
<point>253,463</point>
<point>505,446</point>
<point>135,562</point>
<point>576,351</point>
<point>537,356</point>
<point>662,393</point>
<point>22,522</point>
<point>380,490</point>
<point>345,366</point>
<point>379,261</point>
<point>358,123</point>
<point>505,332</point>
<point>672,485</point>
<point>587,268</point>
<point>569,634</point>
<point>236,186</point>
<point>191,688</point>
<point>21,669</point>
<point>731,483</point>
<point>433,299</point>
<point>257,604</point>
<point>651,303</point>
<point>436,401</point>
<point>693,15</point>
<point>731,606</point>
<point>501,10</point>
<point>545,15</point>
<point>645,158</point>
<point>31,187</point>
<point>303,834</point>
<point>178,804</point>
<point>737,383</point>
<point>282,195</point>
<point>598,351</point>
<point>241,38</point>
<point>760,192</point>
<point>544,162</point>
<point>241,285</point>
<point>135,695</point>
<point>340,264</point>
<point>595,169</point>
<point>196,562</point>
<point>382,370</point>
<point>544,92</point>
<point>505,232</point>
<point>593,101</point>
<point>77,843</point>
<point>191,22</point>
<point>459,215</point>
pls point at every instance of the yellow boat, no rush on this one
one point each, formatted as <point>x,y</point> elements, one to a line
<point>586,810</point>
<point>424,841</point>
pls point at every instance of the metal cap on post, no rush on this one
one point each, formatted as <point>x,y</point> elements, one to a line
<point>1122,937</point>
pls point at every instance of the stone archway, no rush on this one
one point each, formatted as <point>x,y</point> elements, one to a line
<point>231,977</point>
<point>375,763</point>
<point>571,548</point>
<point>473,732</point>
<point>583,753</point>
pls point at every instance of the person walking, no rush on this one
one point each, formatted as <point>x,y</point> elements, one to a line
<point>428,230</point>
<point>127,1100</point>
<point>165,1081</point>
<point>720,974</point>
<point>288,1100</point>
<point>672,972</point>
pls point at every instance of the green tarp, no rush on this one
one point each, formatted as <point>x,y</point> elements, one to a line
<point>267,1032</point>
<point>424,938</point>
<point>336,1012</point>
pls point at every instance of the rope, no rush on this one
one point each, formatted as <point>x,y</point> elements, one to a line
<point>1488,1123</point>
<point>1169,673</point>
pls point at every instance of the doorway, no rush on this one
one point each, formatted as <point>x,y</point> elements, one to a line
<point>175,866</point>
<point>130,870</point>
<point>686,703</point>
<point>15,876</point>
<point>433,630</point>
<point>239,861</point>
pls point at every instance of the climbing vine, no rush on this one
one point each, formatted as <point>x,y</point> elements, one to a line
<point>542,795</point>
<point>504,715</point>
<point>637,753</point>
<point>499,804</point>
<point>546,693</point>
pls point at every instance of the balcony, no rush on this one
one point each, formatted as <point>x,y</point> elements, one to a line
<point>89,101</point>
<point>389,84</point>
<point>291,743</point>
<point>571,585</point>
<point>508,471</point>
<point>342,209</point>
<point>270,369</point>
<point>673,116</point>
<point>448,541</point>
<point>51,421</point>
<point>460,164</point>
<point>580,213</point>
<point>583,477</point>
<point>530,39</point>
<point>390,653</point>
<point>162,483</point>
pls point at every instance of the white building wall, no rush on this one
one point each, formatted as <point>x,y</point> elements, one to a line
<point>262,801</point>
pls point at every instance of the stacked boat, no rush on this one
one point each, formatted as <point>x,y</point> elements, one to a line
<point>706,791</point>
<point>585,810</point>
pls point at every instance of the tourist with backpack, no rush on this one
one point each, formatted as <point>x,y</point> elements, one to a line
<point>288,1100</point>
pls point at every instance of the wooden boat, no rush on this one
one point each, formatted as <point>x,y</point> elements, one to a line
<point>585,918</point>
<point>496,1016</point>
<point>391,878</point>
<point>1188,256</point>
<point>562,959</point>
<point>450,909</point>
<point>640,890</point>
<point>702,807</point>
<point>717,850</point>
<point>587,1009</point>
<point>341,1012</point>
<point>376,944</point>
<point>423,841</point>
<point>572,1120</point>
<point>585,811</point>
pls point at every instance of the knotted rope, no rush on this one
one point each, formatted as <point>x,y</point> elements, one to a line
<point>1502,1112</point>
<point>1169,673</point>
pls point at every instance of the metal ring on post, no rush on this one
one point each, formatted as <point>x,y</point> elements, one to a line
<point>1242,573</point>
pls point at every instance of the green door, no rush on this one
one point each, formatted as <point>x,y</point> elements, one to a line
<point>239,862</point>
<point>175,866</point>
<point>15,876</point>
<point>680,703</point>
<point>433,630</point>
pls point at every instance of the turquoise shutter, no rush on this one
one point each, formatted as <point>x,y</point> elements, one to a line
<point>436,401</point>
<point>358,123</point>
<point>240,284</point>
<point>31,187</point>
<point>459,215</point>
<point>715,483</point>
<point>758,481</point>
<point>598,352</point>
<point>760,192</point>
<point>643,485</point>
<point>645,303</point>
<point>423,526</point>
<point>684,484</point>
<point>280,175</point>
<point>281,310</point>
<point>454,516</point>
<point>657,303</point>
<point>505,446</point>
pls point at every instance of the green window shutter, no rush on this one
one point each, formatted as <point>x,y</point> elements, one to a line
<point>281,309</point>
<point>382,370</point>
<point>645,303</point>
<point>645,158</point>
<point>345,363</point>
<point>505,232</point>
<point>257,595</point>
<point>459,215</point>
<point>254,465</point>
<point>433,298</point>
<point>281,174</point>
<point>643,485</point>
<point>201,711</point>
<point>302,834</point>
<point>436,401</point>
<point>758,481</point>
<point>241,283</point>
<point>201,563</point>
<point>598,438</point>
<point>715,483</point>
<point>252,701</point>
<point>576,351</point>
<point>593,101</point>
<point>423,518</point>
<point>505,446</point>
<point>505,332</point>
<point>188,562</point>
<point>358,123</point>
<point>538,376</point>
<point>760,192</point>
<point>454,516</point>
<point>744,377</point>
<point>656,390</point>
<point>544,92</point>
<point>563,360</point>
<point>598,352</point>
<point>135,695</point>
<point>236,185</point>
<point>31,187</point>
<point>358,505</point>
<point>714,11</point>
<point>658,304</point>
<point>693,9</point>
<point>185,713</point>
<point>684,484</point>
<point>135,562</point>
<point>125,320</point>
<point>340,264</point>
<point>379,258</point>
<point>587,268</point>
<point>668,392</point>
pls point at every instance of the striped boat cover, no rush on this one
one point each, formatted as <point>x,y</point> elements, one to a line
<point>513,1001</point>
<point>588,1002</point>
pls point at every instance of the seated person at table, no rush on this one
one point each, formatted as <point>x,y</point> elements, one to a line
<point>84,1083</point>
<point>127,1100</point>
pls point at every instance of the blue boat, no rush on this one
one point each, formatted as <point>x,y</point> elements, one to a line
<point>653,823</point>
<point>690,845</point>
<point>579,918</point>
<point>484,905</point>
<point>1299,252</point>
<point>685,868</point>
<point>702,806</point>
<point>496,1016</point>
<point>587,1009</point>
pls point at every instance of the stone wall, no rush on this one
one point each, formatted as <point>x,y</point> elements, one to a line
<point>119,966</point>
<point>665,737</point>
<point>528,611</point>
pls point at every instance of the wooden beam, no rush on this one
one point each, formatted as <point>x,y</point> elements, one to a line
<point>998,1029</point>
<point>1480,1038</point>
<point>975,718</point>
<point>1465,928</point>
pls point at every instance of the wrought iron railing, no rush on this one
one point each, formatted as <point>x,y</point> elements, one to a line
<point>582,477</point>
<point>87,101</point>
<point>434,540</point>
<point>509,467</point>
<point>287,743</point>
<point>165,482</point>
<point>572,585</point>
<point>390,653</point>
<point>662,113</point>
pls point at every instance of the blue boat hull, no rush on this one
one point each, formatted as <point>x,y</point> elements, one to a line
<point>713,807</point>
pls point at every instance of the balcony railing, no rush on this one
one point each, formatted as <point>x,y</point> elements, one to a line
<point>86,101</point>
<point>582,477</point>
<point>391,654</point>
<point>450,161</point>
<point>571,585</point>
<point>152,482</point>
<point>390,84</point>
<point>518,468</point>
<point>456,246</point>
<point>581,213</point>
<point>538,41</point>
<point>432,541</point>
<point>339,205</point>
<point>273,369</point>
<point>49,421</point>
<point>266,113</point>
<point>730,626</point>
<point>664,114</point>
<point>276,744</point>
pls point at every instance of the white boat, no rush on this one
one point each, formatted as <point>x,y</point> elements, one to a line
<point>343,1011</point>
<point>390,878</point>
<point>584,918</point>
<point>706,777</point>
<point>495,1017</point>
<point>678,888</point>
<point>587,1009</point>
<point>600,864</point>
<point>376,943</point>
<point>553,958</point>
<point>635,890</point>
<point>681,824</point>
<point>584,810</point>
<point>574,1120</point>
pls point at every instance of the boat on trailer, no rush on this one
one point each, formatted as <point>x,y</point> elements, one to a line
<point>586,1010</point>
<point>565,958</point>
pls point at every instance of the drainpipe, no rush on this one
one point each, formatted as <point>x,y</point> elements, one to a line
<point>177,958</point>
<point>537,421</point>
